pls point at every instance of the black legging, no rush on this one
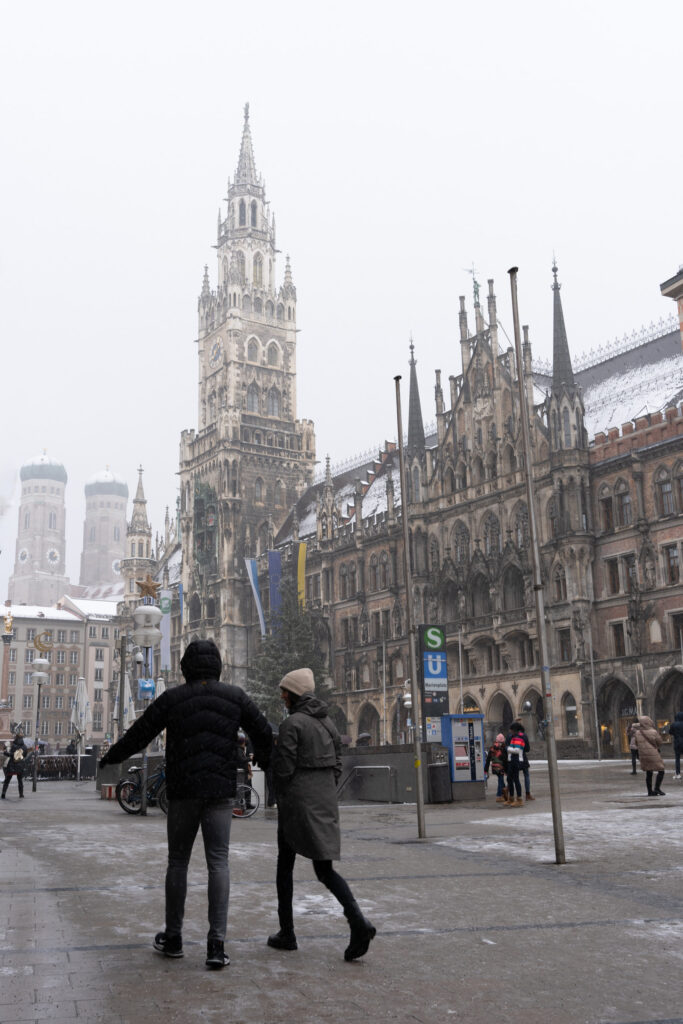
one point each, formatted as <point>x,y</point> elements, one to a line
<point>513,778</point>
<point>284,881</point>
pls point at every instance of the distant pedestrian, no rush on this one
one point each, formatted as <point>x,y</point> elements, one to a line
<point>201,719</point>
<point>676,730</point>
<point>306,769</point>
<point>525,764</point>
<point>497,762</point>
<point>649,741</point>
<point>517,746</point>
<point>14,764</point>
<point>633,747</point>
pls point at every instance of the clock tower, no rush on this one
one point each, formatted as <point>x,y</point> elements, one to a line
<point>39,565</point>
<point>250,458</point>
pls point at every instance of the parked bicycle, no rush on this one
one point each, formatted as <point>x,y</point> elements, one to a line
<point>246,802</point>
<point>129,790</point>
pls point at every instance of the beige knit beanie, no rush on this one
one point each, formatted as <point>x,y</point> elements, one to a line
<point>301,680</point>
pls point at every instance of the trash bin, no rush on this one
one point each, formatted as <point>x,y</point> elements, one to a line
<point>440,783</point>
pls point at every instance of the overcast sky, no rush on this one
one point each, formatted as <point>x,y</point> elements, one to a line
<point>400,143</point>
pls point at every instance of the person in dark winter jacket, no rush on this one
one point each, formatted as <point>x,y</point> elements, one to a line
<point>497,762</point>
<point>676,730</point>
<point>201,718</point>
<point>306,769</point>
<point>517,749</point>
<point>15,764</point>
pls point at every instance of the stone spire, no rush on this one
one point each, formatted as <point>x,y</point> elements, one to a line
<point>139,522</point>
<point>246,166</point>
<point>206,287</point>
<point>563,375</point>
<point>416,432</point>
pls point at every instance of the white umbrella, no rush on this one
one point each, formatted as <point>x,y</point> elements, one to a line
<point>128,705</point>
<point>81,713</point>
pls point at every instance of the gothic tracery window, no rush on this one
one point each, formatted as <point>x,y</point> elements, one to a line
<point>273,402</point>
<point>461,543</point>
<point>258,270</point>
<point>252,398</point>
<point>491,535</point>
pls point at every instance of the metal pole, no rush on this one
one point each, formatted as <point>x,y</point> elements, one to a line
<point>538,588</point>
<point>409,622</point>
<point>36,747</point>
<point>595,697</point>
<point>143,794</point>
<point>122,677</point>
<point>384,689</point>
<point>462,702</point>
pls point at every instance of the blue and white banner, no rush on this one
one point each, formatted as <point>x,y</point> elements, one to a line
<point>274,578</point>
<point>252,573</point>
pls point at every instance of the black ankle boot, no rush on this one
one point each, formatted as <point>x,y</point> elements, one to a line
<point>283,940</point>
<point>362,932</point>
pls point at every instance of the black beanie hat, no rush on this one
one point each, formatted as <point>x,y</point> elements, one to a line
<point>201,660</point>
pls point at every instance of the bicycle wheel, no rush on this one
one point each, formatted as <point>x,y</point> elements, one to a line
<point>129,796</point>
<point>162,798</point>
<point>246,802</point>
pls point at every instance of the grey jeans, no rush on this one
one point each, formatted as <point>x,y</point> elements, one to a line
<point>185,817</point>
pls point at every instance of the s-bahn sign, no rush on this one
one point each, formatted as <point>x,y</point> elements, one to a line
<point>434,680</point>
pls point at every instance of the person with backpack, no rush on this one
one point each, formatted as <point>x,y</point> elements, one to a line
<point>15,763</point>
<point>497,762</point>
<point>517,745</point>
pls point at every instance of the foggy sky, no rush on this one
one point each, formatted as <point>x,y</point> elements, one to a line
<point>400,144</point>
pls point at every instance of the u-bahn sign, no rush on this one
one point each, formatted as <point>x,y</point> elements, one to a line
<point>434,680</point>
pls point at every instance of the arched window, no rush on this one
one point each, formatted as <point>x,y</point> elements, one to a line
<point>372,574</point>
<point>416,484</point>
<point>253,214</point>
<point>555,431</point>
<point>343,583</point>
<point>566,427</point>
<point>491,535</point>
<point>246,304</point>
<point>352,579</point>
<point>141,549</point>
<point>252,351</point>
<point>195,608</point>
<point>461,543</point>
<point>622,503</point>
<point>513,589</point>
<point>270,309</point>
<point>258,489</point>
<point>132,550</point>
<point>559,584</point>
<point>252,398</point>
<point>434,560</point>
<point>449,481</point>
<point>243,213</point>
<point>52,521</point>
<point>509,459</point>
<point>273,402</point>
<point>273,354</point>
<point>480,597</point>
<point>477,471</point>
<point>258,270</point>
<point>522,527</point>
<point>280,311</point>
<point>664,492</point>
<point>277,493</point>
<point>239,257</point>
<point>258,305</point>
<point>461,477</point>
<point>27,520</point>
<point>569,713</point>
<point>383,571</point>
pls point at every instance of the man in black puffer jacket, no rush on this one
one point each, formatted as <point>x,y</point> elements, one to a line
<point>201,719</point>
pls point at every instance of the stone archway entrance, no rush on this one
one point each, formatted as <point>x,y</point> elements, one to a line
<point>368,722</point>
<point>668,699</point>
<point>616,710</point>
<point>499,718</point>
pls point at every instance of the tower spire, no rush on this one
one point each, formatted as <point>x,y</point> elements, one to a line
<point>416,432</point>
<point>563,375</point>
<point>246,166</point>
<point>139,519</point>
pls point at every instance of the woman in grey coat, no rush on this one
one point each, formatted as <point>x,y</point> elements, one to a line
<point>306,768</point>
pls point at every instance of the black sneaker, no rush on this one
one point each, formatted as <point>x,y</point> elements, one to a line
<point>283,940</point>
<point>216,957</point>
<point>169,945</point>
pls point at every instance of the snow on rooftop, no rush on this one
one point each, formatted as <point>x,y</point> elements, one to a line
<point>36,611</point>
<point>635,392</point>
<point>95,609</point>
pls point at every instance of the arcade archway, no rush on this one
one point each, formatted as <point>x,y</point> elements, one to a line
<point>616,710</point>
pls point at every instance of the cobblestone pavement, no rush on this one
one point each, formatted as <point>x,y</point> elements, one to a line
<point>475,923</point>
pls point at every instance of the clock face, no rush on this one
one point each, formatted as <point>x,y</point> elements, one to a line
<point>116,566</point>
<point>53,556</point>
<point>216,354</point>
<point>23,555</point>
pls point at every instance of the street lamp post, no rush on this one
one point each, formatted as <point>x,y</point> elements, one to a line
<point>147,635</point>
<point>40,675</point>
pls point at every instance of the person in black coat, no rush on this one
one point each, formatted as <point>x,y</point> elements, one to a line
<point>15,764</point>
<point>676,730</point>
<point>201,719</point>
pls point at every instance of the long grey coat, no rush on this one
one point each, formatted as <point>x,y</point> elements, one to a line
<point>649,741</point>
<point>306,768</point>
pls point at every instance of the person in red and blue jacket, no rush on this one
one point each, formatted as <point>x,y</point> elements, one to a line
<point>517,747</point>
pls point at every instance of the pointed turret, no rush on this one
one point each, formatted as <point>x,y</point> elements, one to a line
<point>563,375</point>
<point>246,166</point>
<point>206,286</point>
<point>416,431</point>
<point>139,522</point>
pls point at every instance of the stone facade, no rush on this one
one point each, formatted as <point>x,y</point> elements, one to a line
<point>104,529</point>
<point>39,566</point>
